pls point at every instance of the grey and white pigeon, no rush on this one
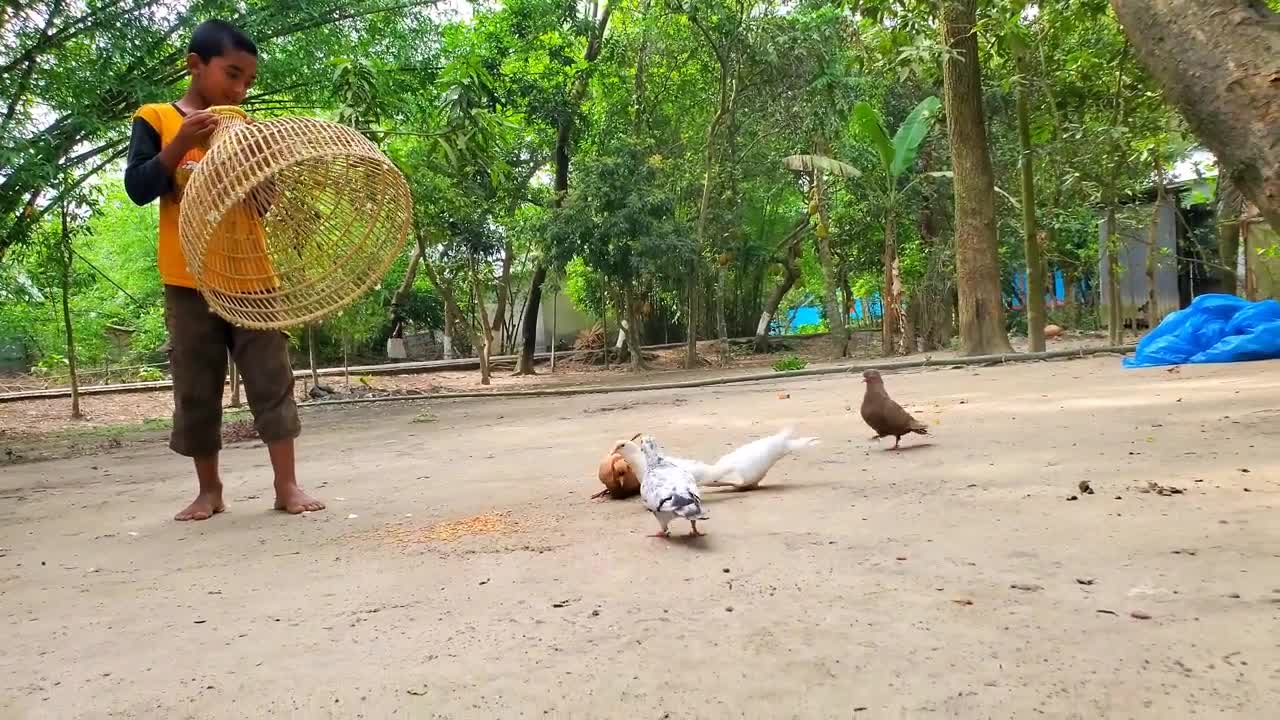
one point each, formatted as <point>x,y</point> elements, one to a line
<point>745,467</point>
<point>667,490</point>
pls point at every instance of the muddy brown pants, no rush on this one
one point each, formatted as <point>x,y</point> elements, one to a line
<point>198,345</point>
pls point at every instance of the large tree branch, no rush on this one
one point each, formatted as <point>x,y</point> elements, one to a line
<point>1218,62</point>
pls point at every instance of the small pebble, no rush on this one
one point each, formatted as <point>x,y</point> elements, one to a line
<point>728,608</point>
<point>1139,615</point>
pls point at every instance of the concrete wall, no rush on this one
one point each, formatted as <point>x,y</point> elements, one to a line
<point>568,321</point>
<point>1133,263</point>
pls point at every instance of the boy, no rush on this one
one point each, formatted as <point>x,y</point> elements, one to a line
<point>166,144</point>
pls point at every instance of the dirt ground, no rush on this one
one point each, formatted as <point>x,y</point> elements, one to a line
<point>954,579</point>
<point>43,429</point>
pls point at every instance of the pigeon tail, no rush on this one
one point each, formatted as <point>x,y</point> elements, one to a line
<point>687,506</point>
<point>794,444</point>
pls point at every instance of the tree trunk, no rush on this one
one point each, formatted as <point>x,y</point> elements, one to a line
<point>346,363</point>
<point>1229,209</point>
<point>560,186</point>
<point>504,294</point>
<point>722,324</point>
<point>402,293</point>
<point>533,305</point>
<point>64,252</point>
<point>635,342</point>
<point>604,319</point>
<point>1153,247</point>
<point>1218,62</point>
<point>700,226</point>
<point>691,315</point>
<point>981,309</point>
<point>790,273</point>
<point>1030,228</point>
<point>1113,247</point>
<point>484,334</point>
<point>555,300</point>
<point>906,328</point>
<point>836,325</point>
<point>1115,308</point>
<point>235,381</point>
<point>450,320</point>
<point>889,324</point>
<point>311,355</point>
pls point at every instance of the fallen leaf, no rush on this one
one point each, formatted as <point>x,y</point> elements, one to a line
<point>1086,581</point>
<point>1139,615</point>
<point>1027,587</point>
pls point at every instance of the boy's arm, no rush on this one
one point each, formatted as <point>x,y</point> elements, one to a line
<point>146,174</point>
<point>148,171</point>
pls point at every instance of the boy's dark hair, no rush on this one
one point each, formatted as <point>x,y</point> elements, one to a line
<point>212,38</point>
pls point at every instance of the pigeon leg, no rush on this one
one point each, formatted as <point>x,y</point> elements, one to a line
<point>663,522</point>
<point>694,525</point>
<point>896,440</point>
<point>603,493</point>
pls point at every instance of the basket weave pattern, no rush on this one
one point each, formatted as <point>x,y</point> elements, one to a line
<point>287,221</point>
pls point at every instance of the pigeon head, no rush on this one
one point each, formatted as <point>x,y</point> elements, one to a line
<point>631,453</point>
<point>872,377</point>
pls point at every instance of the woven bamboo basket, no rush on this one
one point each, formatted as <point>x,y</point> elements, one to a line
<point>289,220</point>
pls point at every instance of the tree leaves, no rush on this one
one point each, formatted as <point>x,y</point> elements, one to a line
<point>867,121</point>
<point>912,132</point>
<point>809,163</point>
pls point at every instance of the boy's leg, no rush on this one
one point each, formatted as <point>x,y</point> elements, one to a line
<point>262,356</point>
<point>198,365</point>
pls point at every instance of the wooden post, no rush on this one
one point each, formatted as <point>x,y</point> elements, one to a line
<point>235,381</point>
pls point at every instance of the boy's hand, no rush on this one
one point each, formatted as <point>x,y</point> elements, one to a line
<point>196,129</point>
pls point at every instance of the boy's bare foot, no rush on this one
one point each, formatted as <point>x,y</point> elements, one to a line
<point>206,505</point>
<point>292,500</point>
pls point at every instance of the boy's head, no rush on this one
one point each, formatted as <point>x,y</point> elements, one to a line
<point>223,63</point>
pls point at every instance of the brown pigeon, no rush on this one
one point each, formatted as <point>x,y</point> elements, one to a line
<point>619,479</point>
<point>884,415</point>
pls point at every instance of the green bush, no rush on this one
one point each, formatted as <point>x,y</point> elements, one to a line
<point>150,374</point>
<point>790,362</point>
<point>812,328</point>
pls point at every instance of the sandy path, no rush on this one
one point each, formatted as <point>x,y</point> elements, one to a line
<point>833,588</point>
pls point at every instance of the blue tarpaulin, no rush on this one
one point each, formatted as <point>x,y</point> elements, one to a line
<point>1213,329</point>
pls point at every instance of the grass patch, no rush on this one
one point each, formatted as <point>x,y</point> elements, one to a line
<point>425,417</point>
<point>790,362</point>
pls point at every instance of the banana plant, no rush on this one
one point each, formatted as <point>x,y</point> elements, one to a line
<point>897,161</point>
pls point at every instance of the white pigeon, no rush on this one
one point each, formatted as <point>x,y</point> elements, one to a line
<point>745,467</point>
<point>667,490</point>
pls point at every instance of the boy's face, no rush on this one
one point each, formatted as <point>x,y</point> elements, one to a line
<point>225,79</point>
